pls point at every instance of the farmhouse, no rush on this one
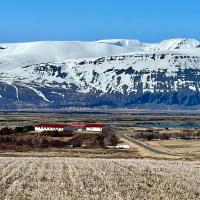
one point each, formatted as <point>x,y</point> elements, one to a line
<point>69,127</point>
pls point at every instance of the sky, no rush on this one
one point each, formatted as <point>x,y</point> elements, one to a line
<point>145,20</point>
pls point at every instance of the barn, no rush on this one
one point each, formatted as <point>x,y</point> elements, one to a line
<point>72,127</point>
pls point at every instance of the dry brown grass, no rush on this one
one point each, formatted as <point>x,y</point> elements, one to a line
<point>78,178</point>
<point>70,152</point>
<point>187,148</point>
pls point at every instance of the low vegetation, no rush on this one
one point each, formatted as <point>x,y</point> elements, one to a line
<point>18,129</point>
<point>153,134</point>
<point>22,136</point>
<point>188,148</point>
<point>113,179</point>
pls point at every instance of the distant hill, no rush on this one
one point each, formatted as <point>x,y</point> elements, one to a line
<point>114,73</point>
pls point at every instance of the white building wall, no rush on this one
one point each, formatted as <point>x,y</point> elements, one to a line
<point>40,129</point>
<point>97,129</point>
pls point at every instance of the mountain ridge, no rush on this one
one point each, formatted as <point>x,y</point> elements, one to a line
<point>113,73</point>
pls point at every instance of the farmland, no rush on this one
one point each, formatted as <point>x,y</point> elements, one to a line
<point>149,169</point>
<point>127,123</point>
<point>188,148</point>
<point>79,178</point>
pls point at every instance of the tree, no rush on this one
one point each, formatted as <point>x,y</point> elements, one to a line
<point>109,134</point>
<point>19,129</point>
<point>100,140</point>
<point>6,131</point>
<point>77,142</point>
<point>114,140</point>
<point>28,128</point>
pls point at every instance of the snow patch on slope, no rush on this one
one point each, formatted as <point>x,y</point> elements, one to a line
<point>132,45</point>
<point>15,55</point>
<point>39,93</point>
<point>22,54</point>
<point>174,44</point>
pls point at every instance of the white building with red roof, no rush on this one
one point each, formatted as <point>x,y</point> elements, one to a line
<point>73,127</point>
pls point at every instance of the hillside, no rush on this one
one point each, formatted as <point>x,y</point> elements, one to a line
<point>113,73</point>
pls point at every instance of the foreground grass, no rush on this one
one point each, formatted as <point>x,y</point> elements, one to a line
<point>71,152</point>
<point>81,178</point>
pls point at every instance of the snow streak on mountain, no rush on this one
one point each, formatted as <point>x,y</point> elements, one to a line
<point>112,73</point>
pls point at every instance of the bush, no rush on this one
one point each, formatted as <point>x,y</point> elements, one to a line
<point>57,133</point>
<point>113,140</point>
<point>100,140</point>
<point>149,135</point>
<point>6,139</point>
<point>57,143</point>
<point>44,143</point>
<point>66,134</point>
<point>110,138</point>
<point>54,133</point>
<point>77,143</point>
<point>24,129</point>
<point>19,142</point>
<point>165,136</point>
<point>19,129</point>
<point>6,131</point>
<point>184,134</point>
<point>27,142</point>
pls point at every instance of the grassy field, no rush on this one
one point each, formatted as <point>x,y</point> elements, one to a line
<point>73,152</point>
<point>123,118</point>
<point>188,148</point>
<point>128,122</point>
<point>78,178</point>
<point>39,173</point>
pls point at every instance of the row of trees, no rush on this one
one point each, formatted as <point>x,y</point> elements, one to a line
<point>19,129</point>
<point>109,136</point>
<point>151,134</point>
<point>106,138</point>
<point>56,133</point>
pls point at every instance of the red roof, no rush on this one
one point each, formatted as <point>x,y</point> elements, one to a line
<point>51,125</point>
<point>95,125</point>
<point>73,125</point>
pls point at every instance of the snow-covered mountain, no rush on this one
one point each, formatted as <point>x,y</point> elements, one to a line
<point>113,73</point>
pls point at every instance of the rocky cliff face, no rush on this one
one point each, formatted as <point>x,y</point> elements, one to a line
<point>165,75</point>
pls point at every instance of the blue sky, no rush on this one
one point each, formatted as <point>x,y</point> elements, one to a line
<point>146,20</point>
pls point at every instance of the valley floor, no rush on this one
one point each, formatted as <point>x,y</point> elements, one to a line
<point>107,174</point>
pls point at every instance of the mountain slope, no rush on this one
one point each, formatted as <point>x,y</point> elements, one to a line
<point>113,73</point>
<point>21,54</point>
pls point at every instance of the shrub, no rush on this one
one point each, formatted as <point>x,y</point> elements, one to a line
<point>57,133</point>
<point>29,128</point>
<point>57,143</point>
<point>77,142</point>
<point>66,134</point>
<point>44,143</point>
<point>100,140</point>
<point>19,142</point>
<point>113,140</point>
<point>6,139</point>
<point>110,138</point>
<point>24,129</point>
<point>149,135</point>
<point>165,136</point>
<point>19,129</point>
<point>54,133</point>
<point>6,131</point>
